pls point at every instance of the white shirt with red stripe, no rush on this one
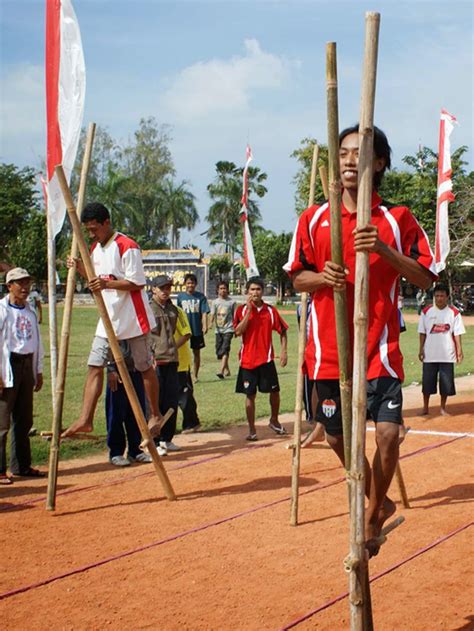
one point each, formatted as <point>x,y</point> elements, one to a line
<point>256,346</point>
<point>120,259</point>
<point>440,326</point>
<point>311,248</point>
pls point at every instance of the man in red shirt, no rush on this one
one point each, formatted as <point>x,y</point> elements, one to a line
<point>398,246</point>
<point>254,322</point>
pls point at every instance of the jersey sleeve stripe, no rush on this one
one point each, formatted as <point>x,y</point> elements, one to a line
<point>137,299</point>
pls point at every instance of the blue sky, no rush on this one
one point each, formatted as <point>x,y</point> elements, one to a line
<point>223,73</point>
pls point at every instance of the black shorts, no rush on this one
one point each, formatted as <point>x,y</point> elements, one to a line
<point>264,377</point>
<point>446,378</point>
<point>384,402</point>
<point>197,341</point>
<point>223,341</point>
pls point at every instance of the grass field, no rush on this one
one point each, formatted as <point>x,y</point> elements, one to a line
<point>218,405</point>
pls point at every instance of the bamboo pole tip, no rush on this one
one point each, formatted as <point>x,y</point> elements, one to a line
<point>372,15</point>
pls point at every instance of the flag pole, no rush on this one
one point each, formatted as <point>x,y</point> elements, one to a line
<point>359,586</point>
<point>323,175</point>
<point>114,345</point>
<point>52,320</point>
<point>65,336</point>
<point>296,456</point>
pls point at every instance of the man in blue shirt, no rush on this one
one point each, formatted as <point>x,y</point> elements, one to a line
<point>195,306</point>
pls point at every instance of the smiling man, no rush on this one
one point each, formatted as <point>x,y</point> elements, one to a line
<point>397,246</point>
<point>118,264</point>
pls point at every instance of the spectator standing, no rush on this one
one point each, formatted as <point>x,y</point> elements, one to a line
<point>186,400</point>
<point>166,359</point>
<point>21,374</point>
<point>254,322</point>
<point>34,300</point>
<point>196,307</point>
<point>222,313</point>
<point>122,426</point>
<point>440,328</point>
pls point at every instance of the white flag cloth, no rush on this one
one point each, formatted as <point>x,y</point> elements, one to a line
<point>445,187</point>
<point>65,92</point>
<point>250,263</point>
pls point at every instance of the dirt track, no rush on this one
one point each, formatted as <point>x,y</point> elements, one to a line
<point>224,556</point>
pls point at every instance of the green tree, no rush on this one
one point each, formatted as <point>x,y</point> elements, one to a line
<point>219,265</point>
<point>18,202</point>
<point>304,157</point>
<point>226,192</point>
<point>29,247</point>
<point>271,253</point>
<point>178,208</point>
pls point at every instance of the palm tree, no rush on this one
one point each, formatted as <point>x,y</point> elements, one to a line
<point>226,191</point>
<point>177,208</point>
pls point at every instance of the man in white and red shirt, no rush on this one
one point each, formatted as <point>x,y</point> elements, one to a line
<point>440,328</point>
<point>255,322</point>
<point>397,246</point>
<point>119,274</point>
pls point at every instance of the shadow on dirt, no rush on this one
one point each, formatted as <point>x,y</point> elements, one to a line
<point>456,494</point>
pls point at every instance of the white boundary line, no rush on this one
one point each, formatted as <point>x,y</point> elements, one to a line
<point>432,432</point>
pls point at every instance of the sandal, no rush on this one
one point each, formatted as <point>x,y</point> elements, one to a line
<point>252,438</point>
<point>281,431</point>
<point>5,479</point>
<point>32,473</point>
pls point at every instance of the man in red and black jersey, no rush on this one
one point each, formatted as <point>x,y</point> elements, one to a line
<point>398,246</point>
<point>255,322</point>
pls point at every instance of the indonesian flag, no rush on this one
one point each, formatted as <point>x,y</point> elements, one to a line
<point>445,187</point>
<point>65,91</point>
<point>250,264</point>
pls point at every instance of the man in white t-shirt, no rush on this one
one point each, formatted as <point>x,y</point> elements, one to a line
<point>21,374</point>
<point>440,328</point>
<point>119,271</point>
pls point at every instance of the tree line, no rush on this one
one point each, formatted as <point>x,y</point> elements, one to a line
<point>136,180</point>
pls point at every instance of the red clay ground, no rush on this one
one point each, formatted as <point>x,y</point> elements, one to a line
<point>224,555</point>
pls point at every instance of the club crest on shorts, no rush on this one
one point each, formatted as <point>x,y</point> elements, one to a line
<point>246,384</point>
<point>328,407</point>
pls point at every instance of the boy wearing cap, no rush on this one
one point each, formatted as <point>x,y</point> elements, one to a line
<point>21,374</point>
<point>166,358</point>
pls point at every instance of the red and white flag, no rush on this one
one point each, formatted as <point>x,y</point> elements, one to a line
<point>250,263</point>
<point>445,187</point>
<point>65,92</point>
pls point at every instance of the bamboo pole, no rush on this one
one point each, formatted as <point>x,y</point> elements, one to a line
<point>340,299</point>
<point>359,579</point>
<point>323,175</point>
<point>296,456</point>
<point>52,312</point>
<point>401,486</point>
<point>114,345</point>
<point>65,336</point>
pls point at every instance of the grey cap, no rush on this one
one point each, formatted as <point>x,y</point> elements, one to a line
<point>17,273</point>
<point>161,281</point>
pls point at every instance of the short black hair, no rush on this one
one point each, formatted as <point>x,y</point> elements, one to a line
<point>191,276</point>
<point>95,210</point>
<point>381,150</point>
<point>223,282</point>
<point>441,287</point>
<point>255,280</point>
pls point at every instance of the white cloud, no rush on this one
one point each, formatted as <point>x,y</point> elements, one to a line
<point>22,108</point>
<point>222,86</point>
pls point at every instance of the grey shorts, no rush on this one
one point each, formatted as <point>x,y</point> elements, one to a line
<point>140,349</point>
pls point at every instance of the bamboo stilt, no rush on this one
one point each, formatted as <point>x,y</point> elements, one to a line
<point>323,174</point>
<point>401,486</point>
<point>296,457</point>
<point>360,613</point>
<point>65,336</point>
<point>114,345</point>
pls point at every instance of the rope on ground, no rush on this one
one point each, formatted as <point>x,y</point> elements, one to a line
<point>388,570</point>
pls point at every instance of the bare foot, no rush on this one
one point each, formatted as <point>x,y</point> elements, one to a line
<point>316,435</point>
<point>373,529</point>
<point>78,426</point>
<point>443,412</point>
<point>424,412</point>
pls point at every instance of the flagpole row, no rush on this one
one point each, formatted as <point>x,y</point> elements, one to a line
<point>114,345</point>
<point>65,335</point>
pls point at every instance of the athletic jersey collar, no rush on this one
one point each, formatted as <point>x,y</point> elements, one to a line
<point>376,199</point>
<point>109,241</point>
